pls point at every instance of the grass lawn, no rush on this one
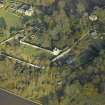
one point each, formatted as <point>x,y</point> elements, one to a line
<point>11,18</point>
<point>29,54</point>
<point>3,37</point>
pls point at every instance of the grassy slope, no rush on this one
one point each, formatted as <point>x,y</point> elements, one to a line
<point>11,20</point>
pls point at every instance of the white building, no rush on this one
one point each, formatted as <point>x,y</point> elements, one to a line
<point>29,12</point>
<point>93,18</point>
<point>26,9</point>
<point>56,51</point>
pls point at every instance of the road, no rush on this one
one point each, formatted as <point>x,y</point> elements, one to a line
<point>7,98</point>
<point>7,40</point>
<point>24,62</point>
<point>27,44</point>
<point>36,47</point>
<point>11,38</point>
<point>68,50</point>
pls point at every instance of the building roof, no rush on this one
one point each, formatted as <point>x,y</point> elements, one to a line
<point>25,6</point>
<point>93,17</point>
<point>26,9</point>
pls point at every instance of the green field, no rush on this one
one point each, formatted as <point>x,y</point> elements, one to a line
<point>11,18</point>
<point>29,54</point>
<point>4,37</point>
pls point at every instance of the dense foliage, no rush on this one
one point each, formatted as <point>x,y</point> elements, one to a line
<point>78,78</point>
